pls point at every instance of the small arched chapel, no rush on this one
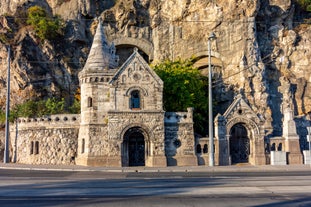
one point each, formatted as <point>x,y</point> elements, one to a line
<point>122,117</point>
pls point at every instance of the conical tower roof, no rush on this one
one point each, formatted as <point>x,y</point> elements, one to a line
<point>99,55</point>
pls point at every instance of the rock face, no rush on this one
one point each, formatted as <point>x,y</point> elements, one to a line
<point>262,49</point>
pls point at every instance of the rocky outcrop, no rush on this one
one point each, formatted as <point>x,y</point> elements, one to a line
<point>262,50</point>
<point>285,46</point>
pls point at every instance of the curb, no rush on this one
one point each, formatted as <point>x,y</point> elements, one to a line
<point>207,169</point>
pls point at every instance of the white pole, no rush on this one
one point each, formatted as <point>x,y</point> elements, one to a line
<point>210,104</point>
<point>7,113</point>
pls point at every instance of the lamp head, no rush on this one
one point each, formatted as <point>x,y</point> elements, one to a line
<point>212,36</point>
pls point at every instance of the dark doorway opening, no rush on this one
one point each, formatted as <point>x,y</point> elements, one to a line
<point>136,147</point>
<point>239,144</point>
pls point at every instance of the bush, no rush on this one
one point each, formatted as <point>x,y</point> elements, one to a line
<point>55,106</point>
<point>2,117</point>
<point>45,26</point>
<point>33,108</point>
<point>75,108</point>
<point>305,4</point>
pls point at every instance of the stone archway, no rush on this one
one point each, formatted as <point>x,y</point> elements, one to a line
<point>239,144</point>
<point>201,61</point>
<point>125,51</point>
<point>134,145</point>
<point>125,46</point>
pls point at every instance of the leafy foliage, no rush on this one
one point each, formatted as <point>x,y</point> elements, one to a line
<point>38,108</point>
<point>184,87</point>
<point>33,108</point>
<point>45,26</point>
<point>55,106</point>
<point>305,4</point>
<point>2,117</point>
<point>3,38</point>
<point>75,108</point>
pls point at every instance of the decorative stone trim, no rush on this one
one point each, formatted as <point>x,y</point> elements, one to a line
<point>58,120</point>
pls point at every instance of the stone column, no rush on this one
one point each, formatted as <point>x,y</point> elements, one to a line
<point>292,146</point>
<point>259,150</point>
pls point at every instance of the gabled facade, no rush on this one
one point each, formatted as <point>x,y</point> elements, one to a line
<point>240,135</point>
<point>240,138</point>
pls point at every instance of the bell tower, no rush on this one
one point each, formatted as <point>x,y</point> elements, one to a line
<point>94,77</point>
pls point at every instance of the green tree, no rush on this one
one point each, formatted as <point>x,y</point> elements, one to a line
<point>55,106</point>
<point>184,86</point>
<point>45,26</point>
<point>27,109</point>
<point>305,4</point>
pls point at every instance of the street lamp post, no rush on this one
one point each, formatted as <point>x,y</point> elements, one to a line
<point>309,140</point>
<point>7,113</point>
<point>211,37</point>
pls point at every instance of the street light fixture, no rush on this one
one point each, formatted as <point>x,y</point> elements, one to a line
<point>211,37</point>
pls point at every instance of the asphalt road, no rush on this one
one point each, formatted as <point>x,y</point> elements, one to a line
<point>55,188</point>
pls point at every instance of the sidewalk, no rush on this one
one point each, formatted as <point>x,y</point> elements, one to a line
<point>231,168</point>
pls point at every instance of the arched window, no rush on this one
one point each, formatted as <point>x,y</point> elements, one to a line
<point>273,147</point>
<point>280,147</point>
<point>135,100</point>
<point>89,102</point>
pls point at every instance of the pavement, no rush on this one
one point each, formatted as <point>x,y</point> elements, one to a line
<point>231,168</point>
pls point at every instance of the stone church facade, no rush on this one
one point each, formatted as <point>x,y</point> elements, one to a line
<point>122,123</point>
<point>122,117</point>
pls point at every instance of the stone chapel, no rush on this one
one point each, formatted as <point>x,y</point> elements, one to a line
<point>122,117</point>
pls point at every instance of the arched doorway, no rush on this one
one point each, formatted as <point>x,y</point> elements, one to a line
<point>134,144</point>
<point>239,144</point>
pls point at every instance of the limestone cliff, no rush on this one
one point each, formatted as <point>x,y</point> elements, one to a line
<point>262,48</point>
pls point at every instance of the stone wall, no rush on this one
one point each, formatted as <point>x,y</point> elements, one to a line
<point>179,138</point>
<point>46,140</point>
